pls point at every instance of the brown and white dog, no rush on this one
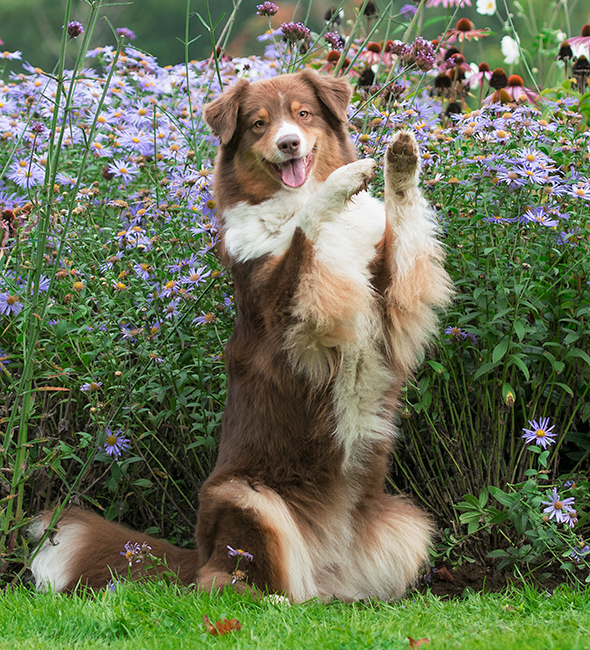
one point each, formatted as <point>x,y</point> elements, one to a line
<point>335,295</point>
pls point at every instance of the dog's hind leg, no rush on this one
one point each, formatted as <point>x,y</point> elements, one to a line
<point>248,537</point>
<point>389,545</point>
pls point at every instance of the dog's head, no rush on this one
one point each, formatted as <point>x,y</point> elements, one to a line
<point>278,132</point>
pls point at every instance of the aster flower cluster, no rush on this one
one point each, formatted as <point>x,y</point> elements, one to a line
<point>135,553</point>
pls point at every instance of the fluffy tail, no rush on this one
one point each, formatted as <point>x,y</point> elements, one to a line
<point>84,549</point>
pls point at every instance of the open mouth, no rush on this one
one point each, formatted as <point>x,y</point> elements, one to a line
<point>293,172</point>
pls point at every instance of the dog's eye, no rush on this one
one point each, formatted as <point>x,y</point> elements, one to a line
<point>258,124</point>
<point>303,114</point>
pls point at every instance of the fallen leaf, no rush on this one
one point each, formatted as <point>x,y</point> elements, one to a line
<point>223,626</point>
<point>415,643</point>
<point>444,574</point>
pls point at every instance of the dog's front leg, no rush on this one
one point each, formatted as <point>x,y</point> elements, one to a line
<point>331,290</point>
<point>411,277</point>
<point>333,196</point>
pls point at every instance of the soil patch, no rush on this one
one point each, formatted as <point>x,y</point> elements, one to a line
<point>473,577</point>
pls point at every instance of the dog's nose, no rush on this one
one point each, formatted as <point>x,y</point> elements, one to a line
<point>289,144</point>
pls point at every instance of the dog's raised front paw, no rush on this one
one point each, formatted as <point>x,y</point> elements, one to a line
<point>402,161</point>
<point>352,178</point>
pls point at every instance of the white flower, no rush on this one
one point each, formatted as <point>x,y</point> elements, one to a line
<point>486,7</point>
<point>510,50</point>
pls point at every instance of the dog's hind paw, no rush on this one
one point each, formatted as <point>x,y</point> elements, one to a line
<point>402,161</point>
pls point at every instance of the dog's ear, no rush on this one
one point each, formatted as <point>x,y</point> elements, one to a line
<point>222,114</point>
<point>334,93</point>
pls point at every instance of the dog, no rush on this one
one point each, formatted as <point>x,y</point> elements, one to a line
<point>336,295</point>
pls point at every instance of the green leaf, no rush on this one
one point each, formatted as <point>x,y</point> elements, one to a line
<point>500,350</point>
<point>576,352</point>
<point>517,361</point>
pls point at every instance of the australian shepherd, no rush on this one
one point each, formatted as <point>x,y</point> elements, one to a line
<point>336,294</point>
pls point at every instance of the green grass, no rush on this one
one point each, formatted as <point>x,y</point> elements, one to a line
<point>157,616</point>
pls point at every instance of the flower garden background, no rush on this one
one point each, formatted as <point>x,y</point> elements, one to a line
<point>114,309</point>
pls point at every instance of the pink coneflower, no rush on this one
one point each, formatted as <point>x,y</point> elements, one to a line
<point>371,54</point>
<point>465,30</point>
<point>477,79</point>
<point>581,44</point>
<point>517,91</point>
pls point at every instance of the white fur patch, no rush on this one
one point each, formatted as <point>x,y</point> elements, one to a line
<point>252,231</point>
<point>275,513</point>
<point>50,566</point>
<point>288,128</point>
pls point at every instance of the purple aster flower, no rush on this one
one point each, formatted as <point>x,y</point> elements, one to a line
<point>123,170</point>
<point>581,191</point>
<point>295,32</point>
<point>75,29</point>
<point>143,270</point>
<point>4,360</point>
<point>267,9</point>
<point>170,289</point>
<point>196,276</point>
<point>204,319</point>
<point>113,585</point>
<point>498,218</point>
<point>90,386</point>
<point>130,332</point>
<point>568,237</point>
<point>134,552</point>
<point>456,332</point>
<point>407,11</point>
<point>570,518</point>
<point>137,140</point>
<point>539,433</point>
<point>115,444</point>
<point>539,216</point>
<point>10,305</point>
<point>183,264</point>
<point>171,310</point>
<point>557,507</point>
<point>26,173</point>
<point>533,173</point>
<point>237,552</point>
<point>124,32</point>
<point>579,553</point>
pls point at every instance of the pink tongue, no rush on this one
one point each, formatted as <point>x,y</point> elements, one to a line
<point>293,172</point>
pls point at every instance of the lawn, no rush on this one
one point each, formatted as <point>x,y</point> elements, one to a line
<point>162,616</point>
